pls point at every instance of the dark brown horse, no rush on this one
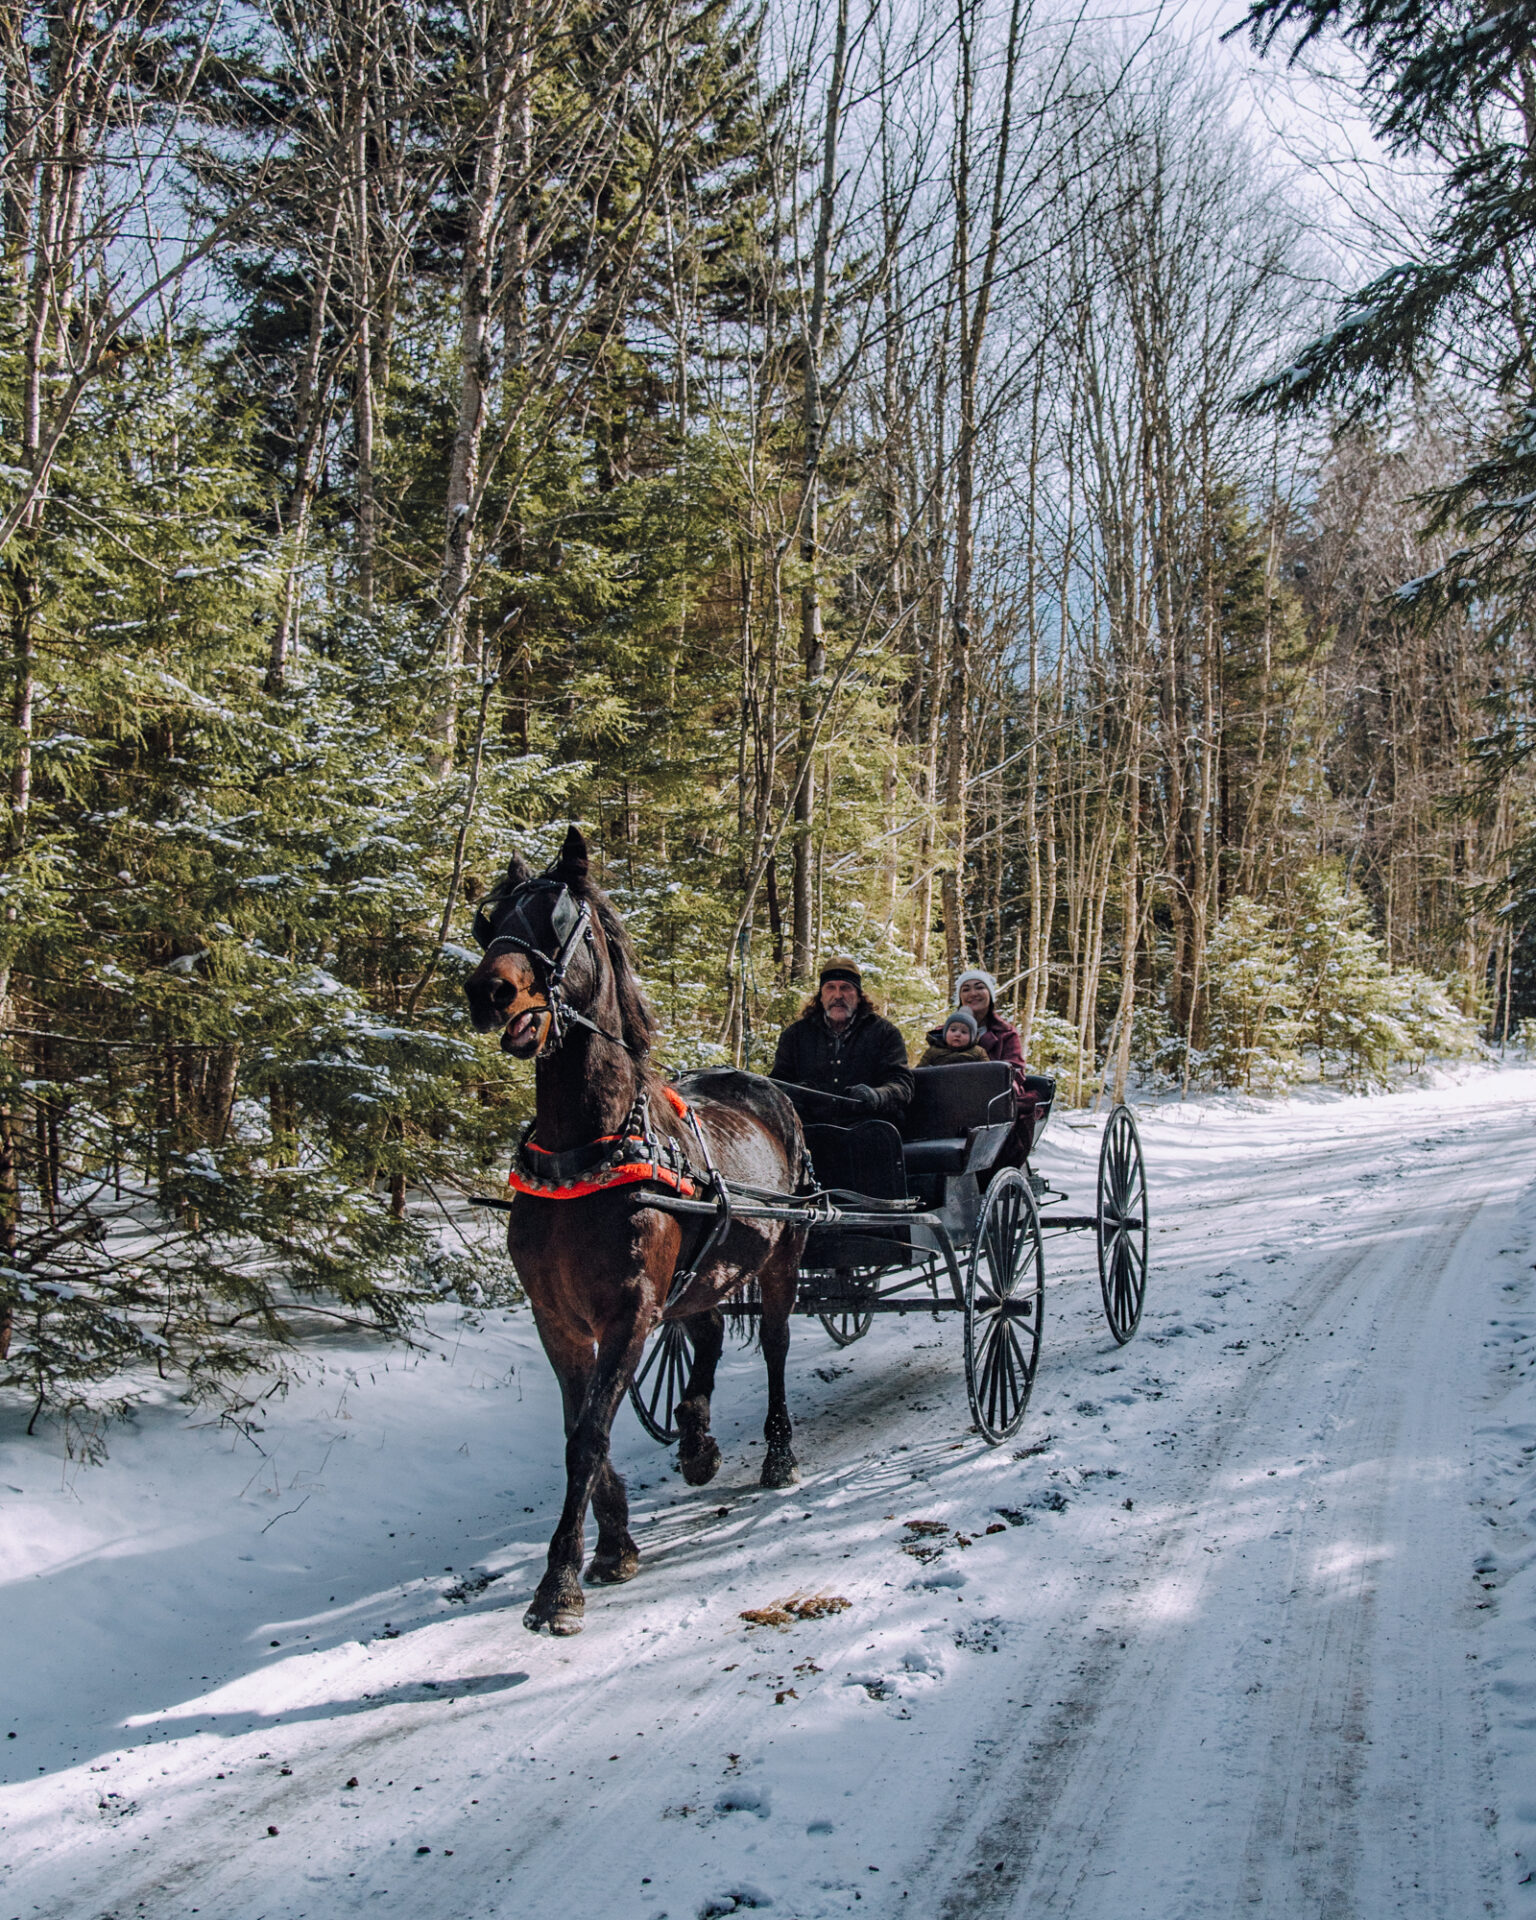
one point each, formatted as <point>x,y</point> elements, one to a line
<point>599,1265</point>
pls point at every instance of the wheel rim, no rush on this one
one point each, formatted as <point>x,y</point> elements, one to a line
<point>845,1328</point>
<point>659,1385</point>
<point>1004,1307</point>
<point>1122,1232</point>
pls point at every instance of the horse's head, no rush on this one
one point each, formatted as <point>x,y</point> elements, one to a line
<point>553,950</point>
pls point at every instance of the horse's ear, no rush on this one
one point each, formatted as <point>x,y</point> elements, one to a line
<point>519,873</point>
<point>573,863</point>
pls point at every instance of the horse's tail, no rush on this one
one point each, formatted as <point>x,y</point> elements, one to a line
<point>745,1325</point>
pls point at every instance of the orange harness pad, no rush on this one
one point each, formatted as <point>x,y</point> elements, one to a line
<point>629,1174</point>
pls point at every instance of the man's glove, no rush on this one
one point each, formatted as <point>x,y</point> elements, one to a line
<point>866,1097</point>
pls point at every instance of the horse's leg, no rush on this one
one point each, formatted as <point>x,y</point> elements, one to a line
<point>559,1602</point>
<point>697,1449</point>
<point>592,1396</point>
<point>777,1281</point>
<point>617,1557</point>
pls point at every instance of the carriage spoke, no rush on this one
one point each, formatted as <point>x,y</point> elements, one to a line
<point>847,1326</point>
<point>661,1380</point>
<point>989,1373</point>
<point>1004,1365</point>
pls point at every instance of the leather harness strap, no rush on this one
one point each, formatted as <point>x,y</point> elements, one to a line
<point>622,1159</point>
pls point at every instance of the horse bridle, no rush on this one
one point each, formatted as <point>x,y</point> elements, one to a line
<point>571,920</point>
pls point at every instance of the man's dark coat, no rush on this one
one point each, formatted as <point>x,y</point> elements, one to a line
<point>869,1051</point>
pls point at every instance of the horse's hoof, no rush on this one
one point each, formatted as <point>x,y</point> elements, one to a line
<point>780,1470</point>
<point>613,1569</point>
<point>563,1621</point>
<point>555,1613</point>
<point>703,1463</point>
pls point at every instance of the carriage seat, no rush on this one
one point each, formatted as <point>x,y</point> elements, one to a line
<point>959,1117</point>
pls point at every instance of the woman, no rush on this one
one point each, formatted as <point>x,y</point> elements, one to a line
<point>999,1040</point>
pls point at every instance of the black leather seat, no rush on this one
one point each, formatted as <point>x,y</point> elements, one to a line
<point>959,1117</point>
<point>935,1156</point>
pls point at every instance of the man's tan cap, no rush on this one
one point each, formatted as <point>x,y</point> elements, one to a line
<point>842,968</point>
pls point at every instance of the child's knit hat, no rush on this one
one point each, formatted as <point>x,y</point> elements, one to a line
<point>966,1019</point>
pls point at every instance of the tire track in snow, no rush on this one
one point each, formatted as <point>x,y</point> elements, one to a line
<point>1041,1763</point>
<point>1262,1775</point>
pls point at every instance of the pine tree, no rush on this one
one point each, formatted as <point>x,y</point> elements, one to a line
<point>1254,990</point>
<point>1355,1011</point>
<point>1451,84</point>
<point>217,1077</point>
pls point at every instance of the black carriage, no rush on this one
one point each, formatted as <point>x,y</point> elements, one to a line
<point>928,1218</point>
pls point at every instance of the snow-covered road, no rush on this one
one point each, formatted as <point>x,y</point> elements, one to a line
<point>1255,1632</point>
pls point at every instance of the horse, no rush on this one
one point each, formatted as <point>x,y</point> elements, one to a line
<point>600,1262</point>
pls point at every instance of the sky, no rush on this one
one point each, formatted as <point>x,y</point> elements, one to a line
<point>1370,203</point>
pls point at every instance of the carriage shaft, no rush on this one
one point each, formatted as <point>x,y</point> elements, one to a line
<point>1015,1309</point>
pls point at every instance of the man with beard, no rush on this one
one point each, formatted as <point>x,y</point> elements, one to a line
<point>840,1045</point>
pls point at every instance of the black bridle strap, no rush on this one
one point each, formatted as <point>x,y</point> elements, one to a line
<point>581,1020</point>
<point>555,968</point>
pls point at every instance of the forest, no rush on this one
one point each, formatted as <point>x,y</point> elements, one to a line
<point>931,484</point>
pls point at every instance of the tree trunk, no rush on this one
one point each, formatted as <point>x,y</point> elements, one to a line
<point>973,328</point>
<point>309,415</point>
<point>494,72</point>
<point>813,649</point>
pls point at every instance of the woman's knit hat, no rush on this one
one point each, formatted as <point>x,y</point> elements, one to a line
<point>965,1018</point>
<point>981,974</point>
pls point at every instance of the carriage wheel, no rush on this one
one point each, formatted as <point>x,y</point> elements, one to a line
<point>845,1328</point>
<point>853,1322</point>
<point>659,1385</point>
<point>1004,1306</point>
<point>1122,1225</point>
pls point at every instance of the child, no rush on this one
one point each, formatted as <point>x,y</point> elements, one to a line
<point>955,1040</point>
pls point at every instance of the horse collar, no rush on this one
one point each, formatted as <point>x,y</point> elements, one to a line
<point>626,1158</point>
